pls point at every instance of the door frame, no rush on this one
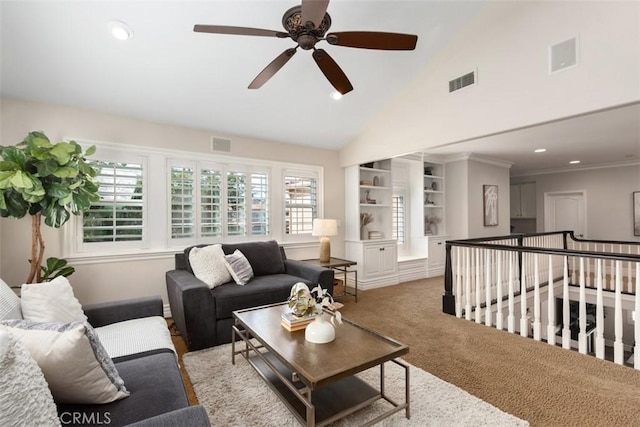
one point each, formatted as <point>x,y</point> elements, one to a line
<point>547,207</point>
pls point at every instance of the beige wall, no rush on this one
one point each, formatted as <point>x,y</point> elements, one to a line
<point>464,193</point>
<point>609,198</point>
<point>508,46</point>
<point>98,280</point>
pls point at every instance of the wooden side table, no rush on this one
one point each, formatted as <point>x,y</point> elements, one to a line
<point>341,265</point>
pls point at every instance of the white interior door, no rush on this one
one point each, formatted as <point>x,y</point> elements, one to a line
<point>566,211</point>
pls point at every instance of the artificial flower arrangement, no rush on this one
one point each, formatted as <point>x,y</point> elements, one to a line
<point>304,302</point>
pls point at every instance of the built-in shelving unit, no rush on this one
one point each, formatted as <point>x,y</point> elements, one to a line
<point>434,199</point>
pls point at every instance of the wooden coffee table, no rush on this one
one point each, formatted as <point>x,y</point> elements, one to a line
<point>317,382</point>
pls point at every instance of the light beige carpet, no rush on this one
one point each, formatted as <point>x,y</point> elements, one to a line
<point>235,395</point>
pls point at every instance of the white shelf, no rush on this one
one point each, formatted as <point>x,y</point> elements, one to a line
<point>374,187</point>
<point>375,205</point>
<point>434,191</point>
<point>434,176</point>
<point>385,171</point>
<point>434,206</point>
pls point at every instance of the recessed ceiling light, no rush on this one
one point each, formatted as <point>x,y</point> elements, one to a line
<point>574,162</point>
<point>120,30</point>
<point>335,95</point>
<point>539,150</point>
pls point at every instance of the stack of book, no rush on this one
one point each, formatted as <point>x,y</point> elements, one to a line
<point>291,322</point>
<point>373,235</point>
<point>366,182</point>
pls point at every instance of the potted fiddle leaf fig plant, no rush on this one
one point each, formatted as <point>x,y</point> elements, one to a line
<point>50,181</point>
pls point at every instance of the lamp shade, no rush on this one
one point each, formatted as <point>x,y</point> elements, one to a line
<point>324,227</point>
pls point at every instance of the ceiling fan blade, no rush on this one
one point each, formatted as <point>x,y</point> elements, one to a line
<point>373,40</point>
<point>314,10</point>
<point>332,71</point>
<point>241,31</point>
<point>272,68</point>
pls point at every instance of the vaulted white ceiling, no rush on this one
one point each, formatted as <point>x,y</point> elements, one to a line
<point>61,52</point>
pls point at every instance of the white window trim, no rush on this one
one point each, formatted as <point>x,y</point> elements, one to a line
<point>159,245</point>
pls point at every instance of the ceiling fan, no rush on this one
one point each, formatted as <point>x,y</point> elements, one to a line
<point>307,24</point>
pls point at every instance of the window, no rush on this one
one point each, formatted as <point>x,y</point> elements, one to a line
<point>217,201</point>
<point>119,215</point>
<point>301,203</point>
<point>210,203</point>
<point>182,202</point>
<point>157,201</point>
<point>398,217</point>
<point>259,204</point>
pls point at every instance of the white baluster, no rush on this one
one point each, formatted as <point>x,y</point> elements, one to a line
<point>459,275</point>
<point>551,306</point>
<point>524,324</point>
<point>636,329</point>
<point>618,346</point>
<point>536,299</point>
<point>582,319</point>
<point>511,318</point>
<point>499,256</point>
<point>588,274</point>
<point>487,288</point>
<point>478,264</point>
<point>467,284</point>
<point>599,312</point>
<point>566,317</point>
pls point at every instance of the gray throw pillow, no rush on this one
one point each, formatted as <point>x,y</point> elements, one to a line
<point>239,267</point>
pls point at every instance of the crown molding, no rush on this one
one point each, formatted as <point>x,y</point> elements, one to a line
<point>478,158</point>
<point>577,168</point>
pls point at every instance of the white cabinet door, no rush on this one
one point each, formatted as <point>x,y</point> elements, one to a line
<point>380,259</point>
<point>389,258</point>
<point>372,265</point>
<point>437,256</point>
<point>528,200</point>
<point>515,200</point>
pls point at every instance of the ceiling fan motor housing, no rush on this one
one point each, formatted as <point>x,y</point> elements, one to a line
<point>304,33</point>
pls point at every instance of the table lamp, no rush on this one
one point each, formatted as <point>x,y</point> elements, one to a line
<point>325,228</point>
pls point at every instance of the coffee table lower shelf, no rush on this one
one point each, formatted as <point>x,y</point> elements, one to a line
<point>331,402</point>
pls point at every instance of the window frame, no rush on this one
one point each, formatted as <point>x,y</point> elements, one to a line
<point>319,208</point>
<point>157,165</point>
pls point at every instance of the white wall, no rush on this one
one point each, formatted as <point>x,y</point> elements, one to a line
<point>609,198</point>
<point>508,46</point>
<point>96,280</point>
<point>464,198</point>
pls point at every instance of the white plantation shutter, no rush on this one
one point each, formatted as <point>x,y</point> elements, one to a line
<point>259,204</point>
<point>182,202</point>
<point>301,203</point>
<point>210,203</point>
<point>119,215</point>
<point>398,218</point>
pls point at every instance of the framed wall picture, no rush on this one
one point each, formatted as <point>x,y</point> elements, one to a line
<point>490,207</point>
<point>636,213</point>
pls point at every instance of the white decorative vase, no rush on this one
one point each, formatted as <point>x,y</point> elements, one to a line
<point>364,233</point>
<point>320,331</point>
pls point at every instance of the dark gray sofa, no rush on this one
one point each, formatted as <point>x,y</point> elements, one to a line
<point>204,316</point>
<point>158,396</point>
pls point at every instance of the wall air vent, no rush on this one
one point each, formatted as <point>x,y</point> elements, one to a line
<point>462,81</point>
<point>220,144</point>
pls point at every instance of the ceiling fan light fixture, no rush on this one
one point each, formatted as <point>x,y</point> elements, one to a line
<point>574,162</point>
<point>540,150</point>
<point>335,95</point>
<point>120,30</point>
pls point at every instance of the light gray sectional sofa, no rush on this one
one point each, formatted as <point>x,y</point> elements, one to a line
<point>135,335</point>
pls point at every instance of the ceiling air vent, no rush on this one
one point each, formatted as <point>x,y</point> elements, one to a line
<point>220,144</point>
<point>463,81</point>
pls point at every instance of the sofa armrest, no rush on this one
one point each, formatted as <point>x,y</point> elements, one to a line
<point>191,416</point>
<point>106,313</point>
<point>313,273</point>
<point>191,305</point>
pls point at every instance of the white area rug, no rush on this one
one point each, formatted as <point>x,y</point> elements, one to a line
<point>235,395</point>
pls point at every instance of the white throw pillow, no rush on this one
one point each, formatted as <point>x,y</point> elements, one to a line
<point>9,303</point>
<point>25,398</point>
<point>208,264</point>
<point>74,363</point>
<point>51,302</point>
<point>239,267</point>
